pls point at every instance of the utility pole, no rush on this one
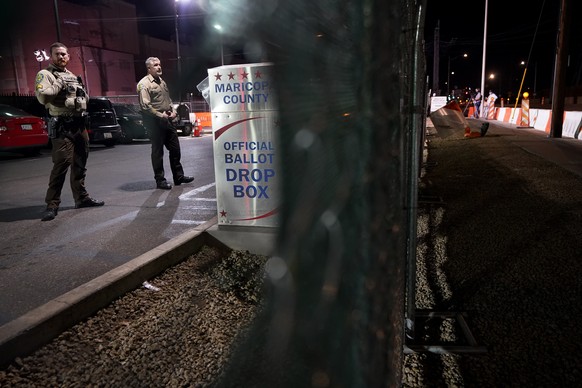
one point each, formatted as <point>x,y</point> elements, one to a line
<point>558,92</point>
<point>179,58</point>
<point>436,59</point>
<point>57,21</point>
<point>484,60</point>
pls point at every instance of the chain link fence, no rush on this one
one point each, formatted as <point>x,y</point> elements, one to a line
<point>351,90</point>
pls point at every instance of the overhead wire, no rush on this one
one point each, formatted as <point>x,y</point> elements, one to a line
<point>529,54</point>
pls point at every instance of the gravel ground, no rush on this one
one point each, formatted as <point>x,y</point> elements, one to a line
<point>176,332</point>
<point>503,246</point>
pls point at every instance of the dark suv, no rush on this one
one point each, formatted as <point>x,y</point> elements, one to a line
<point>104,128</point>
<point>131,123</point>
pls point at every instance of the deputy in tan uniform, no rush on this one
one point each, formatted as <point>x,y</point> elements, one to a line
<point>63,94</point>
<point>157,112</point>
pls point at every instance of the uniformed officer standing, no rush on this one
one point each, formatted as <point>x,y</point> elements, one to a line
<point>63,94</point>
<point>158,113</point>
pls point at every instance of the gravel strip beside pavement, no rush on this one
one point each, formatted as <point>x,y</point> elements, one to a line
<point>177,332</point>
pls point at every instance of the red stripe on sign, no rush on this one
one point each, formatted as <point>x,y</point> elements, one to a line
<point>227,127</point>
<point>269,214</point>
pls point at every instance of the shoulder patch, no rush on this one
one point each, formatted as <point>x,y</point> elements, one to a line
<point>39,78</point>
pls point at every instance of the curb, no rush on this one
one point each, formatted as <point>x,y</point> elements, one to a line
<point>30,331</point>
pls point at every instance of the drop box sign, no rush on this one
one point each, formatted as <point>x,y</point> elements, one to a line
<point>244,125</point>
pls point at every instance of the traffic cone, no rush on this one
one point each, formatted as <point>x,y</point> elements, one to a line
<point>469,134</point>
<point>196,132</point>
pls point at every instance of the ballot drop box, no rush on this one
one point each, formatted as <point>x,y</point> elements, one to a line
<point>244,129</point>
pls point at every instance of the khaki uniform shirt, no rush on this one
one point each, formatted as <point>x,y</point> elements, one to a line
<point>154,96</point>
<point>52,94</point>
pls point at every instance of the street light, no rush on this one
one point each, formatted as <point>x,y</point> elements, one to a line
<point>492,77</point>
<point>218,28</point>
<point>178,56</point>
<point>465,55</point>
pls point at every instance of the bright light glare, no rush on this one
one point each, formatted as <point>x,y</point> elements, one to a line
<point>218,27</point>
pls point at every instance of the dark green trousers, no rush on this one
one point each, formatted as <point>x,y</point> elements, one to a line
<point>68,152</point>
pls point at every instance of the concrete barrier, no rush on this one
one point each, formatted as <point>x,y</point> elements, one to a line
<point>541,119</point>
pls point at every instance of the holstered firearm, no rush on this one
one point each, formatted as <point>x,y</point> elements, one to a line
<point>65,126</point>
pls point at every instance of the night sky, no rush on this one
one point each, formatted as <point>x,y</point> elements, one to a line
<point>513,35</point>
<point>200,42</point>
<point>156,17</point>
<point>517,30</point>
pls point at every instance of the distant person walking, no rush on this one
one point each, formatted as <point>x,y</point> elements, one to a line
<point>477,103</point>
<point>64,95</point>
<point>158,113</point>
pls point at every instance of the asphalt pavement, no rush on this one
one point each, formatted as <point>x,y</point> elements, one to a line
<point>499,245</point>
<point>40,261</point>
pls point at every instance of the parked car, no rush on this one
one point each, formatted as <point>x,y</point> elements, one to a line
<point>131,123</point>
<point>21,132</point>
<point>104,128</point>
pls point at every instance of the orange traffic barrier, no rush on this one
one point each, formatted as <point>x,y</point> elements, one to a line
<point>205,119</point>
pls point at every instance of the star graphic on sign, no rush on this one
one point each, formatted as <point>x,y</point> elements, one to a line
<point>258,74</point>
<point>231,75</point>
<point>244,75</point>
<point>218,76</point>
<point>223,213</point>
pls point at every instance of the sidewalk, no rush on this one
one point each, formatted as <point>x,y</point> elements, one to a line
<point>565,152</point>
<point>502,246</point>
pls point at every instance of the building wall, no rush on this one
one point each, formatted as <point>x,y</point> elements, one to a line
<point>166,52</point>
<point>102,39</point>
